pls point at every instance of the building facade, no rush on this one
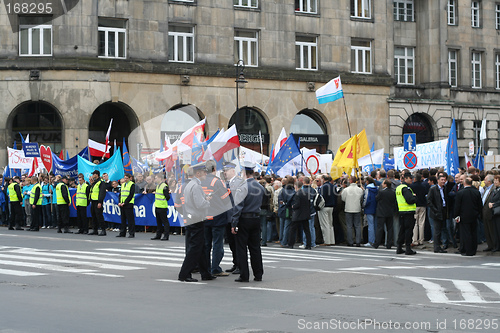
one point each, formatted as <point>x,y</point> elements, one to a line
<point>157,67</point>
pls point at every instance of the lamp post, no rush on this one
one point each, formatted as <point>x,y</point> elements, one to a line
<point>240,79</point>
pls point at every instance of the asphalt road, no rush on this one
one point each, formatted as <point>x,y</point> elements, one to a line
<point>53,282</point>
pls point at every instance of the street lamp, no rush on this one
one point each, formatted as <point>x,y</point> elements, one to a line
<point>240,79</point>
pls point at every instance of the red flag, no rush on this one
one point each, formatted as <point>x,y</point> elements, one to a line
<point>61,155</point>
<point>98,149</point>
<point>186,139</point>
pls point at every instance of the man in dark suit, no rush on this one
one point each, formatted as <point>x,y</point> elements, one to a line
<point>386,207</point>
<point>437,200</point>
<point>489,227</point>
<point>468,206</point>
<point>301,212</point>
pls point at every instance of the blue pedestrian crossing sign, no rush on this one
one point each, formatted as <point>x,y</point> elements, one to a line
<point>409,142</point>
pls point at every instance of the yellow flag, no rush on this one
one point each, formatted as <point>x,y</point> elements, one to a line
<point>348,153</point>
<point>363,148</point>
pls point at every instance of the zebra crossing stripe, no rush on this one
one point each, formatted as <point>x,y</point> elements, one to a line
<point>495,286</point>
<point>19,273</point>
<point>435,292</point>
<point>469,292</point>
<point>48,267</point>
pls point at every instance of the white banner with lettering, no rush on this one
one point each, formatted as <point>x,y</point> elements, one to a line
<point>429,155</point>
<point>17,160</point>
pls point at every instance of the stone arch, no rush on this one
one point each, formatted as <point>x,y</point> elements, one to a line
<point>311,127</point>
<point>249,120</point>
<point>180,118</point>
<point>41,120</point>
<point>422,125</point>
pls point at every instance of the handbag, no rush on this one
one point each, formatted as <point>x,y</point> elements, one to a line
<point>496,210</point>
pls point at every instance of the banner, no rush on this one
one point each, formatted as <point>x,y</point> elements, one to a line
<point>113,167</point>
<point>17,160</point>
<point>31,149</point>
<point>144,209</point>
<point>429,155</point>
<point>68,167</point>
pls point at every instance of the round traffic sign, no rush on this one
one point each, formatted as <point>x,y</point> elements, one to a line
<point>410,160</point>
<point>312,164</point>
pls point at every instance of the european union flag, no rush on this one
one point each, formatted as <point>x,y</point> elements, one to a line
<point>287,152</point>
<point>197,151</point>
<point>452,166</point>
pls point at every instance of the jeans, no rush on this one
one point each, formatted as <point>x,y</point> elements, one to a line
<point>263,226</point>
<point>284,230</point>
<point>312,231</point>
<point>47,222</point>
<point>353,220</point>
<point>271,230</point>
<point>450,225</point>
<point>214,240</point>
<point>372,226</point>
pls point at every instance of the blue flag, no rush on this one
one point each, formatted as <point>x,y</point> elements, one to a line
<point>113,167</point>
<point>372,149</point>
<point>452,166</point>
<point>139,167</point>
<point>196,151</point>
<point>127,163</point>
<point>388,162</point>
<point>287,152</point>
<point>478,161</point>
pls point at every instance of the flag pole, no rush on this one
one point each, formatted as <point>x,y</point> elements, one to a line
<point>347,117</point>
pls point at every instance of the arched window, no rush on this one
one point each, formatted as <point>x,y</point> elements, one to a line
<point>311,129</point>
<point>41,121</point>
<point>248,124</point>
<point>178,120</point>
<point>419,124</point>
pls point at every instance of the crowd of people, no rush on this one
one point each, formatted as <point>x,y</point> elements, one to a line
<point>404,210</point>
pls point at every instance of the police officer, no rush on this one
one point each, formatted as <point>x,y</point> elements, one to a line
<point>127,195</point>
<point>195,211</point>
<point>246,225</point>
<point>216,220</point>
<point>97,195</point>
<point>36,199</point>
<point>407,204</point>
<point>82,201</point>
<point>16,199</point>
<point>63,202</point>
<point>233,181</point>
<point>162,195</point>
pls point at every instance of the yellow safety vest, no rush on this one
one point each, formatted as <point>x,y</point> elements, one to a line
<point>160,200</point>
<point>81,195</point>
<point>125,192</point>
<point>32,195</point>
<point>60,199</point>
<point>94,195</point>
<point>12,193</point>
<point>402,204</point>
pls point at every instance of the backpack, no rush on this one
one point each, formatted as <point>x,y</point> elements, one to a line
<point>318,202</point>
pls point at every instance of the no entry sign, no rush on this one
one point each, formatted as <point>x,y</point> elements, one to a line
<point>410,160</point>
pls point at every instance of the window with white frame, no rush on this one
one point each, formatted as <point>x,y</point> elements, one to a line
<point>34,39</point>
<point>476,70</point>
<point>180,43</point>
<point>246,47</point>
<point>403,10</point>
<point>475,14</point>
<point>452,67</point>
<point>497,16</point>
<point>306,6</point>
<point>497,71</point>
<point>361,9</point>
<point>361,52</point>
<point>306,49</point>
<point>112,35</point>
<point>246,3</point>
<point>404,65</point>
<point>452,12</point>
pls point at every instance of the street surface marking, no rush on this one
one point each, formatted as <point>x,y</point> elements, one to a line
<point>104,275</point>
<point>19,273</point>
<point>363,297</point>
<point>48,267</point>
<point>268,289</point>
<point>177,281</point>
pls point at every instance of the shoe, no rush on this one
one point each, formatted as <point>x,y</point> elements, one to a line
<point>445,247</point>
<point>367,245</point>
<point>375,246</point>
<point>263,244</point>
<point>440,250</point>
<point>120,235</point>
<point>131,236</point>
<point>487,249</point>
<point>302,246</point>
<point>209,278</point>
<point>431,242</point>
<point>10,228</point>
<point>399,251</point>
<point>236,271</point>
<point>34,229</point>
<point>59,231</point>
<point>68,232</point>
<point>350,244</point>
<point>290,247</point>
<point>44,227</point>
<point>388,247</point>
<point>165,238</point>
<point>358,245</point>
<point>79,232</point>
<point>222,274</point>
<point>19,229</point>
<point>308,248</point>
<point>467,255</point>
<point>102,233</point>
<point>257,279</point>
<point>232,269</point>
<point>240,280</point>
<point>92,233</point>
<point>410,252</point>
<point>189,279</point>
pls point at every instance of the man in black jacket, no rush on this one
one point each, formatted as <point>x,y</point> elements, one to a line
<point>127,197</point>
<point>406,205</point>
<point>420,189</point>
<point>468,207</point>
<point>386,207</point>
<point>437,199</point>
<point>97,195</point>
<point>301,212</point>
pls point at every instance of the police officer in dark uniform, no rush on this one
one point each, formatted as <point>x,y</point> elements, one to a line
<point>63,202</point>
<point>406,200</point>
<point>233,181</point>
<point>97,195</point>
<point>127,199</point>
<point>162,195</point>
<point>246,225</point>
<point>195,211</point>
<point>16,199</point>
<point>36,204</point>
